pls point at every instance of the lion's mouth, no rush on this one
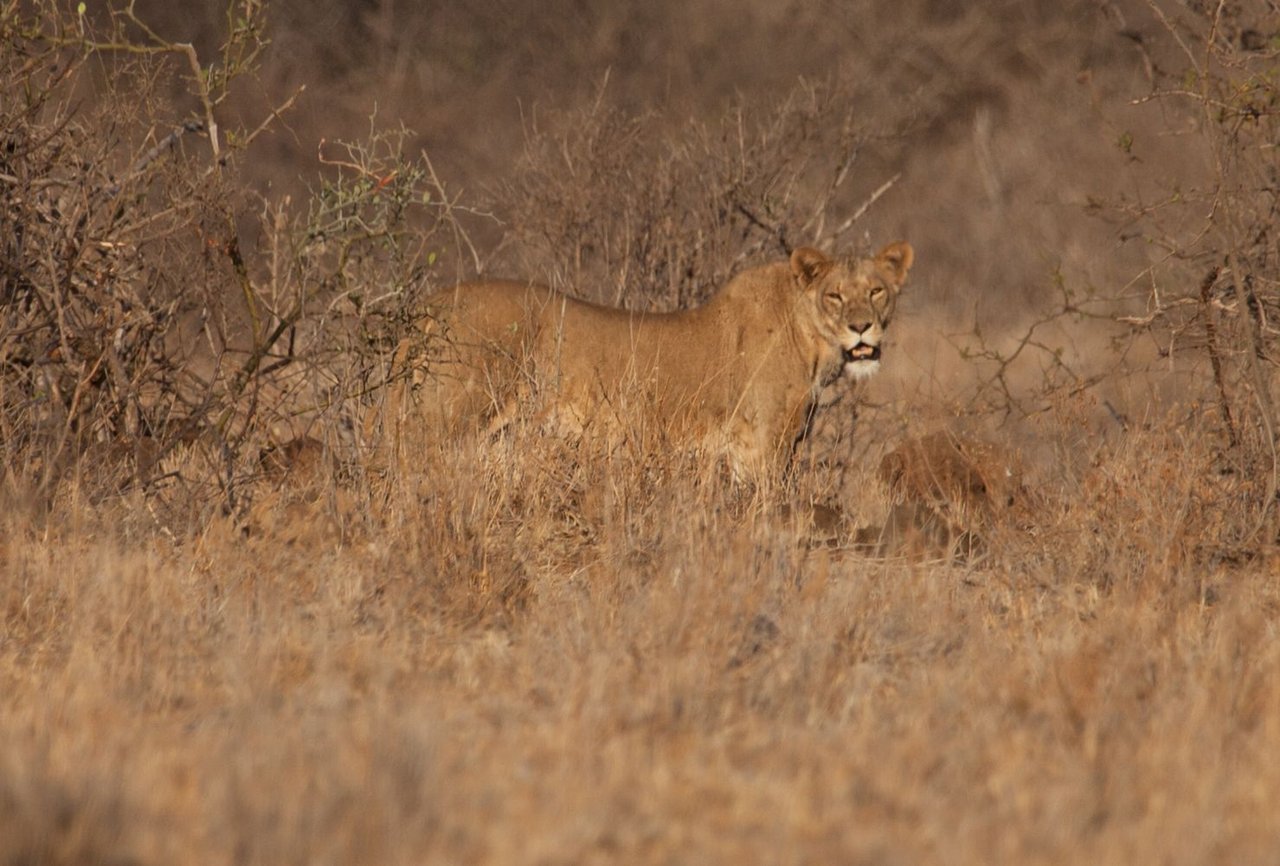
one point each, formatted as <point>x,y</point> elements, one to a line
<point>862,352</point>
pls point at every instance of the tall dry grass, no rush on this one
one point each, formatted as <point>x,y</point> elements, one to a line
<point>517,660</point>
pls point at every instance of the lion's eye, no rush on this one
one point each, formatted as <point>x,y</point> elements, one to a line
<point>835,298</point>
<point>877,293</point>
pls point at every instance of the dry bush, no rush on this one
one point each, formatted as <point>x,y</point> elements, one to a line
<point>602,209</point>
<point>95,214</point>
<point>1213,287</point>
<point>1002,168</point>
<point>1214,290</point>
<point>117,222</point>
<point>1150,511</point>
<point>161,323</point>
<point>468,76</point>
<point>1192,327</point>
<point>304,345</point>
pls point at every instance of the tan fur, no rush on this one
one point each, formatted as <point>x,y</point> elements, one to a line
<point>948,490</point>
<point>739,373</point>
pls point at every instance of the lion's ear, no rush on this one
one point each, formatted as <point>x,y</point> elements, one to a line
<point>808,264</point>
<point>897,258</point>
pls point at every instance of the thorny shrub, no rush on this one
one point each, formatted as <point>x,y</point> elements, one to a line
<point>1206,305</point>
<point>99,197</point>
<point>151,306</point>
<point>605,213</point>
<point>1213,290</point>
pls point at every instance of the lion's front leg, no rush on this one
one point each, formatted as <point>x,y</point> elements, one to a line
<point>753,453</point>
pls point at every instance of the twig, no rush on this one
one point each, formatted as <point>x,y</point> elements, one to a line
<point>1173,31</point>
<point>862,209</point>
<point>450,206</point>
<point>382,180</point>
<point>273,116</point>
<point>1215,361</point>
<point>780,232</point>
<point>1261,393</point>
<point>168,143</point>
<point>202,87</point>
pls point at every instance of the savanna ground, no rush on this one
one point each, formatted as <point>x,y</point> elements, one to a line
<point>219,645</point>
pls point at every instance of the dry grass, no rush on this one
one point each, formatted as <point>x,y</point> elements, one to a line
<point>553,660</point>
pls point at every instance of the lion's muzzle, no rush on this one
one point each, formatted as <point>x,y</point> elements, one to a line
<point>862,352</point>
<point>861,360</point>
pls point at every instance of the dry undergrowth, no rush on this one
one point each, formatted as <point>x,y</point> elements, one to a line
<point>563,658</point>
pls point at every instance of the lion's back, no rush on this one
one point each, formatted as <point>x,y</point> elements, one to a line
<point>495,312</point>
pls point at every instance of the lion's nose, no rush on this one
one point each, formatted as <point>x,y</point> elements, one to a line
<point>859,327</point>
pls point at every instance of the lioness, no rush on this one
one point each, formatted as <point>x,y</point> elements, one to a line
<point>741,373</point>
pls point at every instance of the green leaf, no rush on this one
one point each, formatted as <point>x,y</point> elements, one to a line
<point>81,9</point>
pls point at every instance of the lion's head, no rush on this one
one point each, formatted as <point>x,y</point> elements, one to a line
<point>852,302</point>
